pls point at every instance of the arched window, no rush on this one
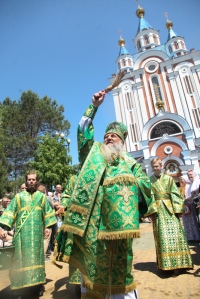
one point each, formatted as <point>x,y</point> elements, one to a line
<point>129,62</point>
<point>188,83</point>
<point>155,39</point>
<point>123,62</point>
<point>182,45</point>
<point>138,44</point>
<point>170,49</point>
<point>165,127</point>
<point>146,39</point>
<point>156,88</point>
<point>176,46</point>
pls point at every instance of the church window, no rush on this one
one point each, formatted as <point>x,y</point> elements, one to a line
<point>146,39</point>
<point>129,62</point>
<point>197,116</point>
<point>176,46</point>
<point>155,39</point>
<point>151,66</point>
<point>138,44</point>
<point>129,101</point>
<point>123,62</point>
<point>156,88</point>
<point>164,127</point>
<point>182,45</point>
<point>188,84</point>
<point>170,49</point>
<point>134,132</point>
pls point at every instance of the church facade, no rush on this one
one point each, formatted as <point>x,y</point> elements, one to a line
<point>159,99</point>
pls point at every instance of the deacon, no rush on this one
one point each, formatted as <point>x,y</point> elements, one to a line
<point>29,211</point>
<point>171,245</point>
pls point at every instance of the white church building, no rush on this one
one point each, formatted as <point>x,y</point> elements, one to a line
<point>159,99</point>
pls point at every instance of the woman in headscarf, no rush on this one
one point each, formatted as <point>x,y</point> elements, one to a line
<point>190,218</point>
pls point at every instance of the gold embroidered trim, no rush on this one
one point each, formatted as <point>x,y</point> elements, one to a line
<point>28,268</point>
<point>27,285</point>
<point>178,267</point>
<point>9,215</point>
<point>92,295</point>
<point>29,208</point>
<point>72,229</point>
<point>43,200</point>
<point>79,209</point>
<point>18,201</point>
<point>162,198</point>
<point>5,222</point>
<point>100,288</point>
<point>119,179</point>
<point>49,215</point>
<point>150,213</point>
<point>118,235</point>
<point>104,289</point>
<point>65,258</point>
<point>174,254</point>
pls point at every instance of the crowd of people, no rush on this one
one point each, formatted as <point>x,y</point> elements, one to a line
<point>92,223</point>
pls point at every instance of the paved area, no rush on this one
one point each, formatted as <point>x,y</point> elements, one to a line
<point>152,283</point>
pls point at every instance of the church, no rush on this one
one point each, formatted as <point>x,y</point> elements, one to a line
<point>159,99</point>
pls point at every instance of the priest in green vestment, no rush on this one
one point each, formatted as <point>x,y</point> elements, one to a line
<point>171,244</point>
<point>29,212</point>
<point>103,214</point>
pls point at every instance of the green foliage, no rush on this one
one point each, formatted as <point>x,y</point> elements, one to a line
<point>51,161</point>
<point>5,168</point>
<point>21,124</point>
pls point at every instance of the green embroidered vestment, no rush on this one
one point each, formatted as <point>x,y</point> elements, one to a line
<point>171,245</point>
<point>104,215</point>
<point>29,213</point>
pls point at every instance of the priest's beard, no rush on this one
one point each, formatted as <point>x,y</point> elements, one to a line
<point>112,151</point>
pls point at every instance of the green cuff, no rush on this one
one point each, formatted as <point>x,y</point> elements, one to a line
<point>91,111</point>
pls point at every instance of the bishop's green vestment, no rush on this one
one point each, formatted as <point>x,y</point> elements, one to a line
<point>29,213</point>
<point>170,240</point>
<point>103,216</point>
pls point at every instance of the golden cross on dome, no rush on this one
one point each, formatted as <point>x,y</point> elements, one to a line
<point>137,1</point>
<point>166,15</point>
<point>120,32</point>
<point>125,193</point>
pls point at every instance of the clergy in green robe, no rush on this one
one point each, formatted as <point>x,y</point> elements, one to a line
<point>171,245</point>
<point>63,237</point>
<point>29,212</point>
<point>104,210</point>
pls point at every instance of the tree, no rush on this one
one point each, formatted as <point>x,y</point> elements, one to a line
<point>51,161</point>
<point>5,168</point>
<point>23,121</point>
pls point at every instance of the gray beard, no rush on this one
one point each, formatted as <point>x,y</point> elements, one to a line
<point>112,152</point>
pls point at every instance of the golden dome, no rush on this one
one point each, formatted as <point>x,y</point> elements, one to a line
<point>121,42</point>
<point>140,12</point>
<point>169,24</point>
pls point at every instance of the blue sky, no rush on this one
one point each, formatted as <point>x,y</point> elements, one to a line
<point>67,49</point>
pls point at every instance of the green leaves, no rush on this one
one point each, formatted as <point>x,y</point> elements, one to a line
<point>21,123</point>
<point>51,160</point>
